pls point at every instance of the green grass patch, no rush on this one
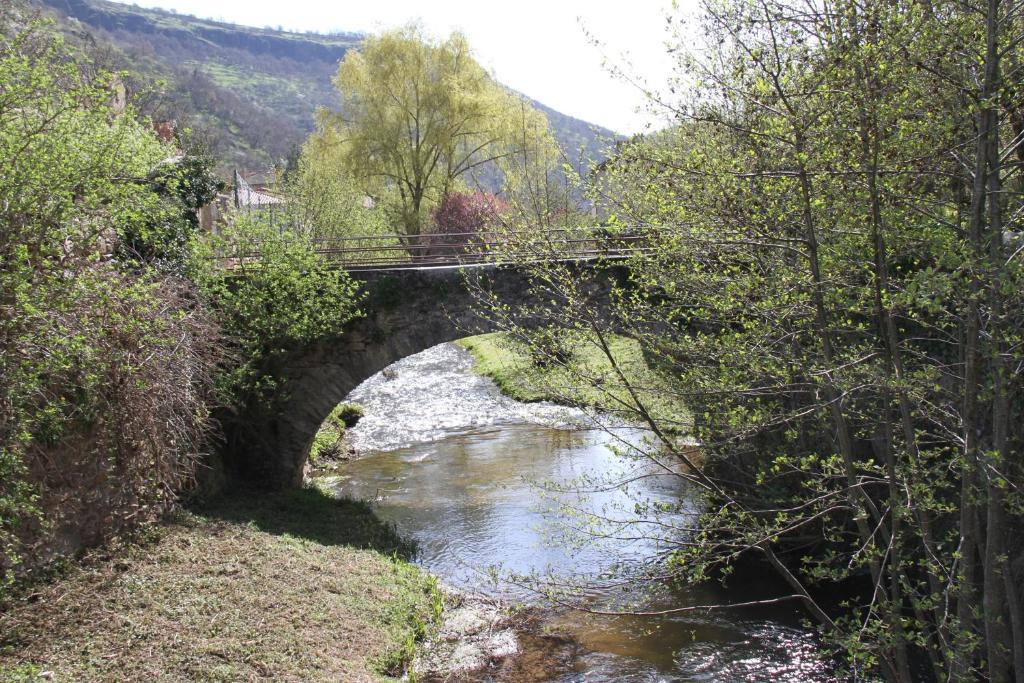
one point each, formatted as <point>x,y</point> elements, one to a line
<point>585,378</point>
<point>329,442</point>
<point>260,586</point>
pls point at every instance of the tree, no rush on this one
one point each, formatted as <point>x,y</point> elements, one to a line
<point>419,115</point>
<point>831,284</point>
<point>325,200</point>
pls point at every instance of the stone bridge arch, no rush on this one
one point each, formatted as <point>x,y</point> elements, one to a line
<point>407,311</point>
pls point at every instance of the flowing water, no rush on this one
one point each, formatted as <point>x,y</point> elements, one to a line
<point>501,495</point>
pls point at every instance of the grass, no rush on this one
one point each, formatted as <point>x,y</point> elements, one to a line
<point>587,379</point>
<point>252,81</point>
<point>329,442</point>
<point>174,21</point>
<point>280,586</point>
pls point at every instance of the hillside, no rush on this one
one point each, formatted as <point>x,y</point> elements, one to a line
<point>249,93</point>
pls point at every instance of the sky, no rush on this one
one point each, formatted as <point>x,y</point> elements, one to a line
<point>540,48</point>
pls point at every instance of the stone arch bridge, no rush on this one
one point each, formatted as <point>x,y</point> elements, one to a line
<point>407,310</point>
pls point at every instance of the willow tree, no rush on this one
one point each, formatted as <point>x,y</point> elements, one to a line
<point>419,116</point>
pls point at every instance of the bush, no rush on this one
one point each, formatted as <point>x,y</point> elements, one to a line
<point>348,414</point>
<point>327,445</point>
<point>164,235</point>
<point>273,293</point>
<point>549,348</point>
<point>461,218</point>
<point>117,416</point>
<point>105,375</point>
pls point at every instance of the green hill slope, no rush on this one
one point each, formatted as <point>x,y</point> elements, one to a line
<point>249,92</point>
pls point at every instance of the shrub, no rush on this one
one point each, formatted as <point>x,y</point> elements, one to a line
<point>272,293</point>
<point>327,445</point>
<point>348,414</point>
<point>329,442</point>
<point>104,374</point>
<point>549,348</point>
<point>461,218</point>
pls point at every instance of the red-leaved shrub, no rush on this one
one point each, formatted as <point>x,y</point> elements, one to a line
<point>461,219</point>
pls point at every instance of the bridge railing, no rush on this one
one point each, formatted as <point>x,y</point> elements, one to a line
<point>435,250</point>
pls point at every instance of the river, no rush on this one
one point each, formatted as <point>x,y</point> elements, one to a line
<point>508,499</point>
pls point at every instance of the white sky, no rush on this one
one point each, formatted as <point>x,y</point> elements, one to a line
<point>535,46</point>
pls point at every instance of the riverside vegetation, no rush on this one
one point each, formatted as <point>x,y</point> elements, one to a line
<point>329,442</point>
<point>118,344</point>
<point>829,299</point>
<point>833,286</point>
<point>562,369</point>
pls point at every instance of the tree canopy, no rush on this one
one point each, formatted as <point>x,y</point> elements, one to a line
<point>832,282</point>
<point>421,115</point>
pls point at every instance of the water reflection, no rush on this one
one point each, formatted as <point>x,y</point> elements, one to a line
<point>463,481</point>
<point>471,503</point>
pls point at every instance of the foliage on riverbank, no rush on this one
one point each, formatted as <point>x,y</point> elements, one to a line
<point>120,335</point>
<point>106,360</point>
<point>583,377</point>
<point>272,292</point>
<point>286,586</point>
<point>831,271</point>
<point>329,442</point>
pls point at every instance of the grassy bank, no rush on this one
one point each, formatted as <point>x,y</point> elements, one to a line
<point>586,379</point>
<point>283,586</point>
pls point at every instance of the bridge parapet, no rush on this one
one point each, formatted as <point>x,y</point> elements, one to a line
<point>485,247</point>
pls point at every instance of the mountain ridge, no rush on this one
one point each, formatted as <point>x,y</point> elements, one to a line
<point>250,93</point>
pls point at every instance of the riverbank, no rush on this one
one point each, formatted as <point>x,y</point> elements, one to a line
<point>481,639</point>
<point>283,586</point>
<point>506,498</point>
<point>588,379</point>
